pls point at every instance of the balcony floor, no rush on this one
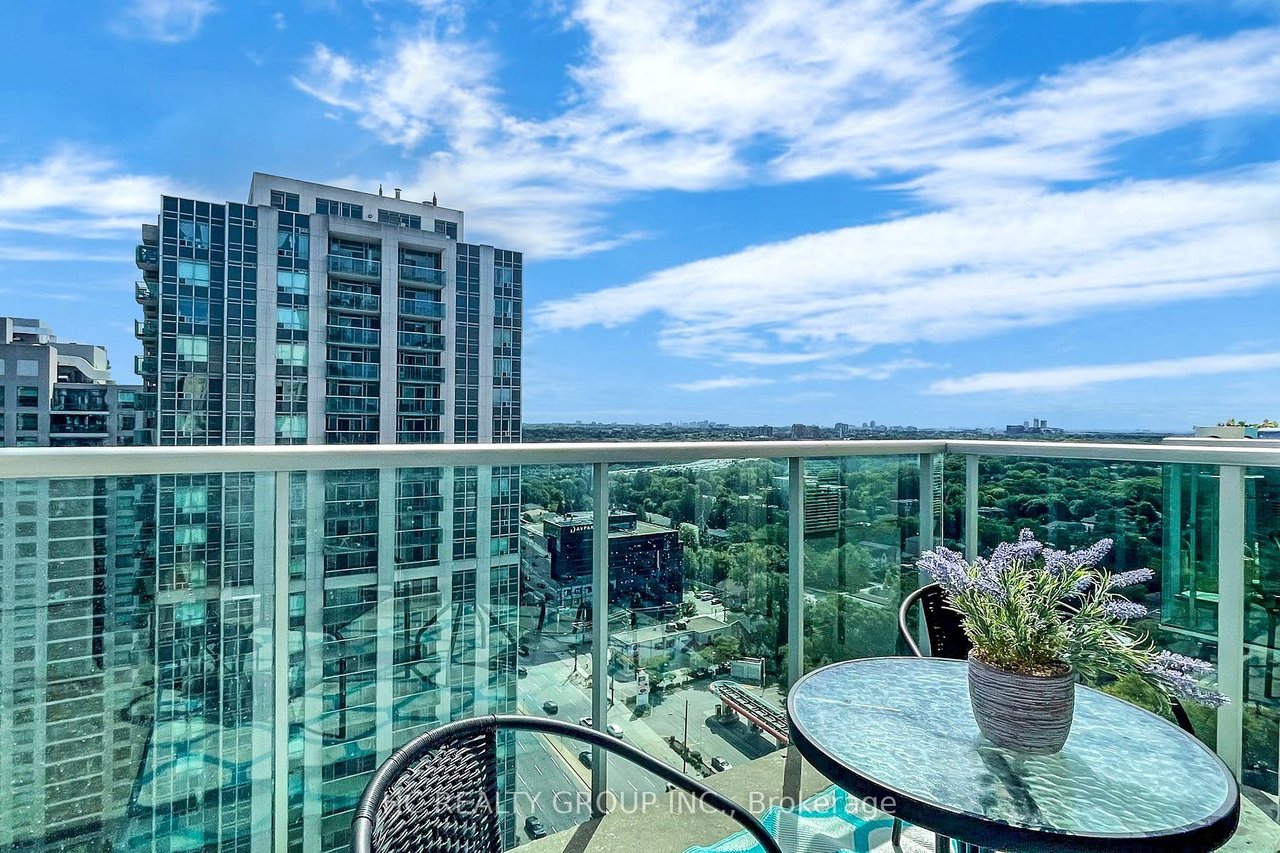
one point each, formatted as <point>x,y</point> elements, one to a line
<point>673,823</point>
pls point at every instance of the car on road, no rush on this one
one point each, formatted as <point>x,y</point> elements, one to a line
<point>615,730</point>
<point>703,672</point>
<point>719,764</point>
<point>586,721</point>
<point>713,601</point>
<point>550,707</point>
<point>533,826</point>
<point>585,757</point>
<point>523,650</point>
<point>522,671</point>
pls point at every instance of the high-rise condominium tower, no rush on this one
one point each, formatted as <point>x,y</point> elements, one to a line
<point>73,644</point>
<point>318,315</point>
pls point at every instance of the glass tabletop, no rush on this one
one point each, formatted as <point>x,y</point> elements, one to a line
<point>905,725</point>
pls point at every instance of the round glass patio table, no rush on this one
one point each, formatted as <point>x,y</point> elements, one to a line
<point>899,733</point>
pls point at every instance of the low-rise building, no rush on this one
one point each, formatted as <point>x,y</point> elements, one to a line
<point>646,561</point>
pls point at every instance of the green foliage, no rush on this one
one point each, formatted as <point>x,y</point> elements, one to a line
<point>723,649</point>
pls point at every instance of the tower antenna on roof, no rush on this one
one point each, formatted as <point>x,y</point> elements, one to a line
<point>379,189</point>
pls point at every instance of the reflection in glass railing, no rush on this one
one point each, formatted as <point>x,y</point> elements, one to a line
<point>170,674</point>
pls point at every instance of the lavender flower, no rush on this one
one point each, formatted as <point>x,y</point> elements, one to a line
<point>948,568</point>
<point>1094,554</point>
<point>1123,609</point>
<point>1131,578</point>
<point>1183,686</point>
<point>1165,659</point>
<point>988,580</point>
<point>1026,548</point>
<point>1057,563</point>
<point>1020,610</point>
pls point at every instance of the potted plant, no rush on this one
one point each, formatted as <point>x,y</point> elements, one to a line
<point>1039,619</point>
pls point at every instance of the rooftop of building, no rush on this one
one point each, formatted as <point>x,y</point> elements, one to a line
<point>263,183</point>
<point>695,625</point>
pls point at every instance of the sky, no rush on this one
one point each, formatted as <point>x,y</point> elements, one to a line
<point>945,213</point>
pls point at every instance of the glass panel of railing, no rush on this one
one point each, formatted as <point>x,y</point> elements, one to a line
<point>1161,517</point>
<point>861,540</point>
<point>552,780</point>
<point>138,656</point>
<point>1261,756</point>
<point>697,615</point>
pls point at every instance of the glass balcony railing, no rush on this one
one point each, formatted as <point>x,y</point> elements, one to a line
<point>351,405</point>
<point>352,301</point>
<point>360,267</point>
<point>146,328</point>
<point>144,292</point>
<point>350,335</point>
<point>144,365</point>
<point>421,275</point>
<point>147,257</point>
<point>421,340</point>
<point>415,406</point>
<point>422,308</point>
<point>351,370</point>
<point>242,696</point>
<point>420,373</point>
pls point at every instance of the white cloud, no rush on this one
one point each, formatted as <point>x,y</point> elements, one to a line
<point>75,194</point>
<point>169,21</point>
<point>723,383</point>
<point>664,99</point>
<point>671,98</point>
<point>877,372</point>
<point>1057,379</point>
<point>1031,260</point>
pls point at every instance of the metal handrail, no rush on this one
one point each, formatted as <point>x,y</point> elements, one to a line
<point>123,461</point>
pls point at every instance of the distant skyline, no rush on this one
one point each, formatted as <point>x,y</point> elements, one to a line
<point>938,213</point>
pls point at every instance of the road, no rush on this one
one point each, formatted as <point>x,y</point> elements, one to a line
<point>553,783</point>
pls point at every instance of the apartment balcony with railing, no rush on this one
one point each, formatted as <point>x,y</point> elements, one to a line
<point>310,609</point>
<point>422,308</point>
<point>422,275</point>
<point>353,301</point>
<point>352,370</point>
<point>353,335</point>
<point>421,340</point>
<point>147,257</point>
<point>357,267</point>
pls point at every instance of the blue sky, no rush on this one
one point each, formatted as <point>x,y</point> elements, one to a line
<point>942,212</point>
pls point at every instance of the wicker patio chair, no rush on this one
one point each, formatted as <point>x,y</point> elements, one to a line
<point>438,793</point>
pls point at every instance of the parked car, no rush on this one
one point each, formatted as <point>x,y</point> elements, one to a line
<point>586,721</point>
<point>522,650</point>
<point>719,764</point>
<point>585,757</point>
<point>533,826</point>
<point>550,707</point>
<point>522,671</point>
<point>703,672</point>
<point>615,730</point>
<point>713,601</point>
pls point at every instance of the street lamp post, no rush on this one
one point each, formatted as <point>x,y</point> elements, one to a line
<point>684,753</point>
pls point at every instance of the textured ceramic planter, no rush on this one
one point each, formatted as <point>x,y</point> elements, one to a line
<point>1025,713</point>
